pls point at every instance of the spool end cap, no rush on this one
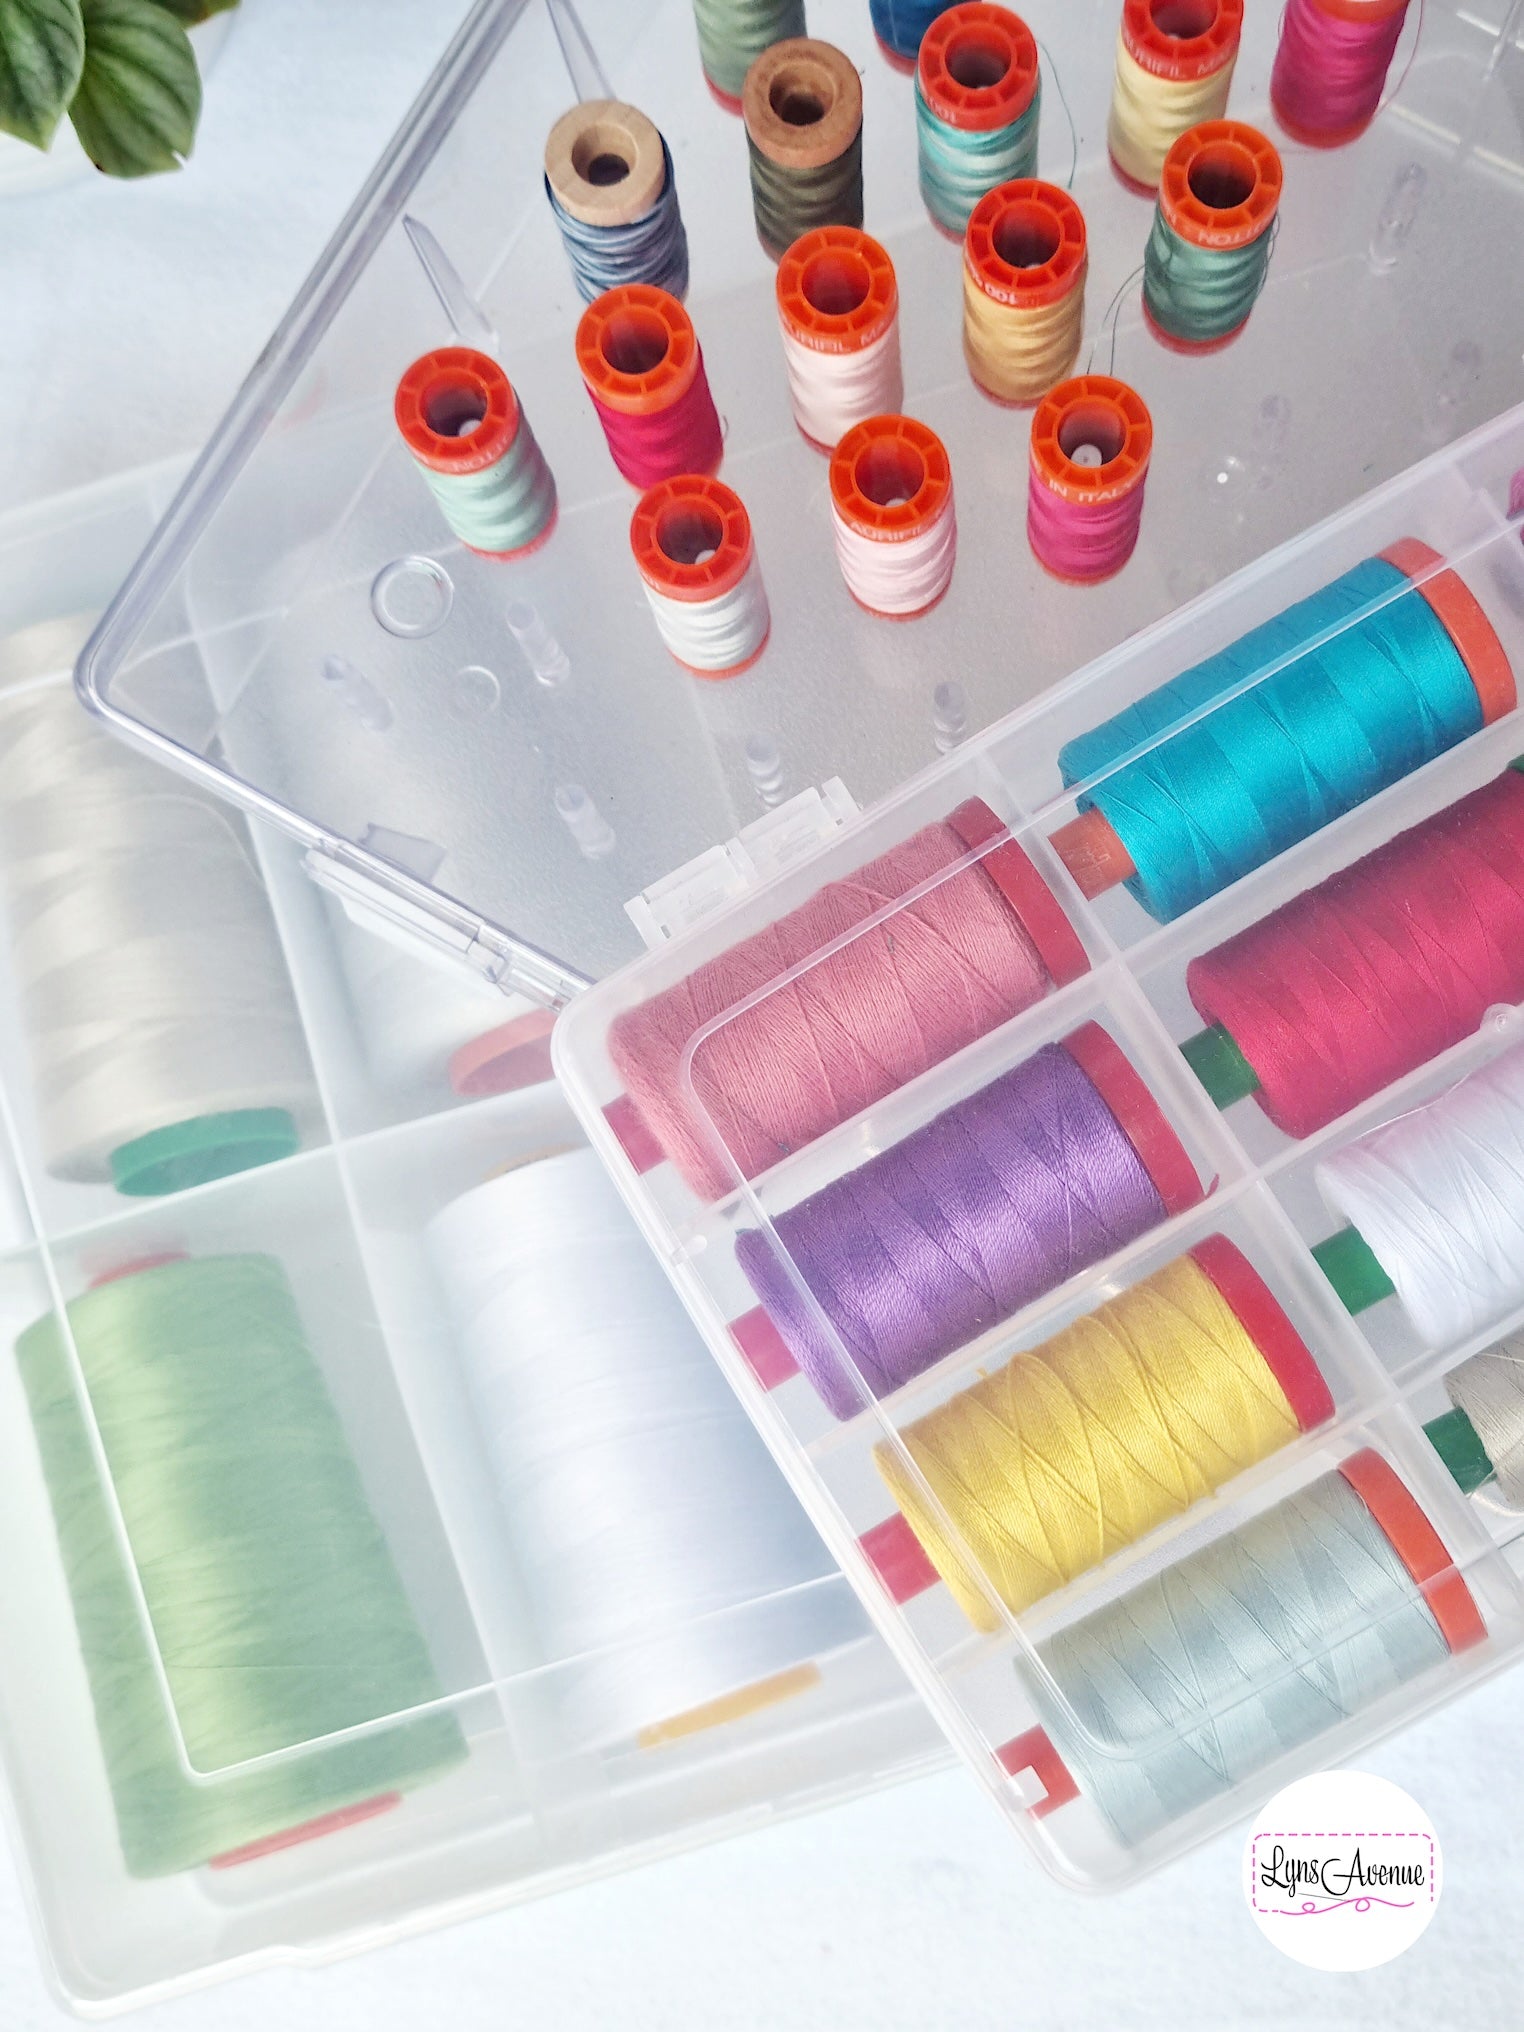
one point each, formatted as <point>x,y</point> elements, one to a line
<point>1220,1066</point>
<point>1353,1269</point>
<point>1454,1439</point>
<point>200,1150</point>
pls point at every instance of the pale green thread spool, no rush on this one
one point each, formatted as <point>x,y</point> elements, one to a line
<point>733,33</point>
<point>469,436</point>
<point>275,1606</point>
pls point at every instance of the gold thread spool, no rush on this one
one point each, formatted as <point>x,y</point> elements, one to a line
<point>1024,267</point>
<point>1174,67</point>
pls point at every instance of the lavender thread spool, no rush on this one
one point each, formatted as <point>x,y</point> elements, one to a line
<point>1000,1199</point>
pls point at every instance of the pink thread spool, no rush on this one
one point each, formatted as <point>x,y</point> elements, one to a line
<point>1331,66</point>
<point>640,359</point>
<point>893,516</point>
<point>1091,440</point>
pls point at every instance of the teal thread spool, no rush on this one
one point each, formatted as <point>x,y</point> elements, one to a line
<point>732,34</point>
<point>471,440</point>
<point>274,1603</point>
<point>978,100</point>
<point>1214,226</point>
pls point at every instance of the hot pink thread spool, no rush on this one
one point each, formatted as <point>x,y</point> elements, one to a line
<point>640,359</point>
<point>1091,440</point>
<point>1331,67</point>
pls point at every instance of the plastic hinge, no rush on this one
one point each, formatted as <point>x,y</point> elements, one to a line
<point>758,851</point>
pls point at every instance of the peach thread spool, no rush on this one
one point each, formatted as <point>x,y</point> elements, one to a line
<point>1331,67</point>
<point>1175,63</point>
<point>1091,440</point>
<point>1024,265</point>
<point>692,543</point>
<point>803,107</point>
<point>469,437</point>
<point>839,312</point>
<point>1213,233</point>
<point>892,507</point>
<point>644,372</point>
<point>978,99</point>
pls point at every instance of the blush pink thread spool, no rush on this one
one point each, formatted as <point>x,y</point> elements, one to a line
<point>1091,441</point>
<point>838,314</point>
<point>1331,67</point>
<point>644,372</point>
<point>892,510</point>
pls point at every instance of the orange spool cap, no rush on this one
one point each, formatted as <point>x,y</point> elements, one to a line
<point>1092,438</point>
<point>978,66</point>
<point>1418,1545</point>
<point>1464,620</point>
<point>1024,265</point>
<point>1182,39</point>
<point>836,290</point>
<point>1221,185</point>
<point>448,388</point>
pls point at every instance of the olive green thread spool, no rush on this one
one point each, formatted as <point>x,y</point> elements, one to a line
<point>803,106</point>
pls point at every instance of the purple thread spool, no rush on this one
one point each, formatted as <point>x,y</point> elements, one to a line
<point>1003,1197</point>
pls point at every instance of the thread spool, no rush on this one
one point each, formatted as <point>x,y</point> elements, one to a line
<point>644,373</point>
<point>1214,227</point>
<point>732,34</point>
<point>613,194</point>
<point>164,1044</point>
<point>467,432</point>
<point>893,515</point>
<point>1091,442</point>
<point>1371,973</point>
<point>666,1561</point>
<point>1257,1644</point>
<point>803,107</point>
<point>1024,266</point>
<point>1003,1197</point>
<point>1364,681</point>
<point>900,26</point>
<point>1087,1443</point>
<point>978,101</point>
<point>1331,66</point>
<point>839,315</point>
<point>1482,1436</point>
<point>983,940</point>
<point>692,543</point>
<point>231,1473</point>
<point>1175,63</point>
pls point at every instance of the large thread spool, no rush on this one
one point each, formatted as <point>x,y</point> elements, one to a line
<point>274,1607</point>
<point>1079,1447</point>
<point>1482,1436</point>
<point>1005,1196</point>
<point>698,566</point>
<point>972,943</point>
<point>1214,228</point>
<point>839,315</point>
<point>1371,973</point>
<point>1364,681</point>
<point>1175,63</point>
<point>1024,266</point>
<point>644,373</point>
<point>1261,1642</point>
<point>469,437</point>
<point>646,1514</point>
<point>609,179</point>
<point>893,515</point>
<point>803,106</point>
<point>164,1043</point>
<point>1331,66</point>
<point>732,34</point>
<point>900,26</point>
<point>978,101</point>
<point>1087,464</point>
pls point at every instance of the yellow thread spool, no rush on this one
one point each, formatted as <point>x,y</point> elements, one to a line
<point>1174,66</point>
<point>1083,1445</point>
<point>1024,265</point>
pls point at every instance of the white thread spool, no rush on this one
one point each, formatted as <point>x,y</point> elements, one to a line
<point>892,511</point>
<point>691,537</point>
<point>839,315</point>
<point>153,988</point>
<point>1438,1197</point>
<point>660,1547</point>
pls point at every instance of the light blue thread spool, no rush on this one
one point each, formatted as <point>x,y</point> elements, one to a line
<point>613,195</point>
<point>471,440</point>
<point>1208,253</point>
<point>978,99</point>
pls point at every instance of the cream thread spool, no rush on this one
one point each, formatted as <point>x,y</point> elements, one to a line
<point>461,420</point>
<point>609,176</point>
<point>698,566</point>
<point>1174,68</point>
<point>892,509</point>
<point>803,107</point>
<point>838,312</point>
<point>1024,267</point>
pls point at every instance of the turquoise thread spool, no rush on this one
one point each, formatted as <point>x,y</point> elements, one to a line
<point>1208,253</point>
<point>978,100</point>
<point>469,436</point>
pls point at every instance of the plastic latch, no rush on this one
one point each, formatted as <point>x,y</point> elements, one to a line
<point>760,850</point>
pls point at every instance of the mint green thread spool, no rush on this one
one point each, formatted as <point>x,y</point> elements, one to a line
<point>469,436</point>
<point>275,1606</point>
<point>1208,253</point>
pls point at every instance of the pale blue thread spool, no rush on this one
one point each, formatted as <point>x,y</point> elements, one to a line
<point>978,100</point>
<point>613,194</point>
<point>471,440</point>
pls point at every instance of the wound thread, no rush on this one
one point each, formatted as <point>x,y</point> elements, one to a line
<point>644,373</point>
<point>900,26</point>
<point>469,437</point>
<point>803,106</point>
<point>978,103</point>
<point>893,515</point>
<point>1488,1390</point>
<point>1174,66</point>
<point>692,542</point>
<point>1087,466</point>
<point>1024,267</point>
<point>1331,66</point>
<point>839,319</point>
<point>1208,254</point>
<point>613,195</point>
<point>732,34</point>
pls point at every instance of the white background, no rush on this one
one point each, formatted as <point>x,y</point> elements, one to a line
<point>127,317</point>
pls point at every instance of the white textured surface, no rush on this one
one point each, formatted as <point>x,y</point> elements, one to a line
<point>127,316</point>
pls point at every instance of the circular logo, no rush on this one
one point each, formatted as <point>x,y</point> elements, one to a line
<point>1342,1870</point>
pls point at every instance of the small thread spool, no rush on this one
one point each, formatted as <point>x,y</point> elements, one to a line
<point>1482,1436</point>
<point>1371,973</point>
<point>1331,67</point>
<point>1392,664</point>
<point>1260,1642</point>
<point>1209,251</point>
<point>1005,1196</point>
<point>1091,441</point>
<point>900,26</point>
<point>732,34</point>
<point>1024,265</point>
<point>1087,1443</point>
<point>644,372</point>
<point>692,543</point>
<point>1175,63</point>
<point>978,101</point>
<point>609,179</point>
<point>469,437</point>
<point>803,106</point>
<point>985,939</point>
<point>839,314</point>
<point>893,515</point>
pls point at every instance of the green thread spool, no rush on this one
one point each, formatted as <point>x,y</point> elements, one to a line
<point>732,34</point>
<point>1208,253</point>
<point>803,106</point>
<point>276,1609</point>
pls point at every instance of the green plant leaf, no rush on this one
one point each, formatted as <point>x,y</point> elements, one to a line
<point>191,12</point>
<point>42,51</point>
<point>140,94</point>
